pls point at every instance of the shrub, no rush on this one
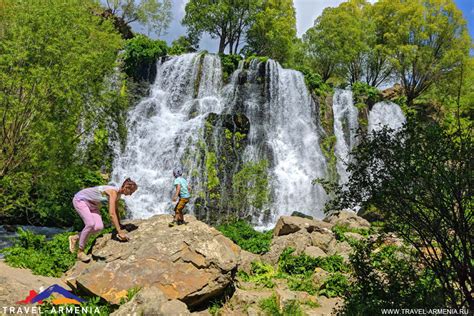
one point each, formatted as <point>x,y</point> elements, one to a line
<point>388,278</point>
<point>335,285</point>
<point>243,234</point>
<point>270,306</point>
<point>304,264</point>
<point>49,258</point>
<point>141,54</point>
<point>230,63</point>
<point>261,273</point>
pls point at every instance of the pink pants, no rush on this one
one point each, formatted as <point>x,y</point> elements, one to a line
<point>91,217</point>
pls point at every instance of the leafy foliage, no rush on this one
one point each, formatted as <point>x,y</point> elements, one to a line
<point>49,258</point>
<point>273,31</point>
<point>304,264</point>
<point>389,278</point>
<point>229,65</point>
<point>335,285</point>
<point>155,14</point>
<point>251,185</point>
<point>243,234</point>
<point>419,179</point>
<point>141,54</point>
<point>261,273</point>
<point>183,45</point>
<point>270,306</point>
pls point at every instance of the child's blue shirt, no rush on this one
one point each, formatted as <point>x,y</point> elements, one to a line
<point>183,193</point>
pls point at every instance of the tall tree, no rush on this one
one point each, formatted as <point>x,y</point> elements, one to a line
<point>227,20</point>
<point>155,14</point>
<point>52,73</point>
<point>274,30</point>
<point>427,40</point>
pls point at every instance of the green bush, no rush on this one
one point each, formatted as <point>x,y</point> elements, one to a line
<point>340,230</point>
<point>243,234</point>
<point>261,273</point>
<point>304,264</point>
<point>365,95</point>
<point>49,258</point>
<point>314,82</point>
<point>389,278</point>
<point>270,307</point>
<point>230,63</point>
<point>335,285</point>
<point>181,45</point>
<point>141,54</point>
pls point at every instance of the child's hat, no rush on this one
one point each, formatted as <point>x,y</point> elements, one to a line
<point>177,172</point>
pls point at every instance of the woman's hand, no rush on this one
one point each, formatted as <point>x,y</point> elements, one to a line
<point>122,236</point>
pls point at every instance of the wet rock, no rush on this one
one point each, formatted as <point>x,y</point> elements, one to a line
<point>192,263</point>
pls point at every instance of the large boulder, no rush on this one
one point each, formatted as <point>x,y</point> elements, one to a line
<point>152,301</point>
<point>291,224</point>
<point>298,241</point>
<point>192,263</point>
<point>347,218</point>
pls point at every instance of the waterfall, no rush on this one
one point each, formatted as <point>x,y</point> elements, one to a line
<point>168,128</point>
<point>385,114</point>
<point>293,139</point>
<point>345,129</point>
<point>161,127</point>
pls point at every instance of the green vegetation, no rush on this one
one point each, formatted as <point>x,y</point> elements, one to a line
<point>224,19</point>
<point>141,54</point>
<point>54,90</point>
<point>49,258</point>
<point>419,180</point>
<point>251,186</point>
<point>389,277</point>
<point>243,234</point>
<point>340,230</point>
<point>273,31</point>
<point>229,65</point>
<point>155,14</point>
<point>271,307</point>
<point>261,274</point>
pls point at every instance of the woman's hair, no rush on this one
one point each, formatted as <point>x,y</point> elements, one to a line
<point>129,183</point>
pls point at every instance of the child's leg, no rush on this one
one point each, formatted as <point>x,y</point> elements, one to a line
<point>98,224</point>
<point>179,209</point>
<point>85,213</point>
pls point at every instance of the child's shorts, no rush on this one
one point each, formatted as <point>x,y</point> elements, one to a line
<point>180,206</point>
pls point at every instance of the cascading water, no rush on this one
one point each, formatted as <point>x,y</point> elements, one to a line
<point>293,139</point>
<point>345,130</point>
<point>168,127</point>
<point>385,114</point>
<point>160,130</point>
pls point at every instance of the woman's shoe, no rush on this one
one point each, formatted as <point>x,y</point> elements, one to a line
<point>83,257</point>
<point>73,243</point>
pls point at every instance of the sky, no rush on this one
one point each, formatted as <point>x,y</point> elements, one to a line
<point>306,12</point>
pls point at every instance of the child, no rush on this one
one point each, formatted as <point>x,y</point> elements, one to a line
<point>87,204</point>
<point>182,190</point>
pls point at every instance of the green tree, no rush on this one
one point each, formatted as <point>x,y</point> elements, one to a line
<point>427,40</point>
<point>54,61</point>
<point>420,180</point>
<point>273,31</point>
<point>227,20</point>
<point>155,14</point>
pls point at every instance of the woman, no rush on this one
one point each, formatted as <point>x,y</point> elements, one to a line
<point>87,204</point>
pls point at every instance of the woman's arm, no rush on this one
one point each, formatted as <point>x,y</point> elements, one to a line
<point>114,217</point>
<point>178,189</point>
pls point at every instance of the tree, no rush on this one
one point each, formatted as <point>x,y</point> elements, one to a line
<point>54,61</point>
<point>274,30</point>
<point>426,40</point>
<point>155,14</point>
<point>420,179</point>
<point>227,20</point>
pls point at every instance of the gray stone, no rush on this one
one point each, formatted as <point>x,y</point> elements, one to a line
<point>347,218</point>
<point>314,251</point>
<point>298,241</point>
<point>324,240</point>
<point>291,224</point>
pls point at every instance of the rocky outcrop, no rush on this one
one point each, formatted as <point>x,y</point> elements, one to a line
<point>291,224</point>
<point>192,263</point>
<point>16,284</point>
<point>347,218</point>
<point>152,301</point>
